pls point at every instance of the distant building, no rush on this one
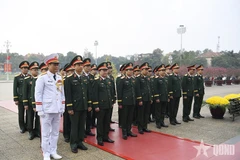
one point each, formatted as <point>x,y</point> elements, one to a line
<point>209,56</point>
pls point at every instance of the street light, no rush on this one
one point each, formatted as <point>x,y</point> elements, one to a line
<point>181,30</point>
<point>170,59</point>
<point>96,44</point>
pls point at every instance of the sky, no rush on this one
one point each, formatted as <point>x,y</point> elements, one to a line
<point>121,27</point>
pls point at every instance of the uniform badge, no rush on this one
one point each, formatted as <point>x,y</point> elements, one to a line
<point>59,84</point>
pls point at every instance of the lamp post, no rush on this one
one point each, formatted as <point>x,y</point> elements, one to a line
<point>96,44</point>
<point>181,30</point>
<point>170,59</point>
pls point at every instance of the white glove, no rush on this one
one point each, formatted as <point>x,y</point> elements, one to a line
<point>41,114</point>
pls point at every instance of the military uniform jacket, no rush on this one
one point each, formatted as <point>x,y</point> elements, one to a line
<point>143,88</point>
<point>33,91</point>
<point>174,85</point>
<point>126,91</point>
<point>49,94</point>
<point>102,93</point>
<point>27,85</point>
<point>77,92</point>
<point>18,87</point>
<point>161,91</point>
<point>187,85</point>
<point>198,84</point>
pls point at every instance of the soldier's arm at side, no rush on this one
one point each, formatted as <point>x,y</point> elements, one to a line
<point>195,84</point>
<point>184,86</point>
<point>89,96</point>
<point>15,93</point>
<point>39,95</point>
<point>95,100</point>
<point>138,91</point>
<point>156,91</point>
<point>63,97</point>
<point>120,91</point>
<point>170,87</point>
<point>32,93</point>
<point>68,93</point>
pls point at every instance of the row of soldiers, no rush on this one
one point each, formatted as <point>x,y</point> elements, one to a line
<point>89,95</point>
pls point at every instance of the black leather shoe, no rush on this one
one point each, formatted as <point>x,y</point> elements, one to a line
<point>108,140</point>
<point>164,125</point>
<point>132,134</point>
<point>147,130</point>
<point>74,150</point>
<point>172,123</point>
<point>201,116</point>
<point>141,132</point>
<point>111,129</point>
<point>67,140</point>
<point>22,131</point>
<point>197,117</point>
<point>100,143</point>
<point>82,147</point>
<point>185,120</point>
<point>189,119</point>
<point>30,136</point>
<point>90,134</point>
<point>158,126</point>
<point>177,122</point>
<point>124,137</point>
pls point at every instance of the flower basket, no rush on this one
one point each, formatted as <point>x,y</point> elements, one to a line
<point>218,112</point>
<point>208,83</point>
<point>217,106</point>
<point>236,81</point>
<point>228,82</point>
<point>219,82</point>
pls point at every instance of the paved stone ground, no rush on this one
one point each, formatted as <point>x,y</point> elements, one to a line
<point>14,145</point>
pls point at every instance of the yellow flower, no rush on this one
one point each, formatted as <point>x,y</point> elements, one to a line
<point>232,96</point>
<point>217,101</point>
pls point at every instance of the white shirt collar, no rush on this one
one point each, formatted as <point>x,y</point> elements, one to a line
<point>77,74</point>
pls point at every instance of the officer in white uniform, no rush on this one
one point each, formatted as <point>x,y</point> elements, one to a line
<point>50,105</point>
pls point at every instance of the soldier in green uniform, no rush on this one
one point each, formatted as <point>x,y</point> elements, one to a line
<point>152,109</point>
<point>110,76</point>
<point>102,103</point>
<point>174,91</point>
<point>160,96</point>
<point>127,100</point>
<point>136,73</point>
<point>198,92</point>
<point>144,98</point>
<point>187,90</point>
<point>43,68</point>
<point>69,70</point>
<point>27,99</point>
<point>87,75</point>
<point>92,75</point>
<point>117,83</point>
<point>78,101</point>
<point>18,94</point>
<point>167,73</point>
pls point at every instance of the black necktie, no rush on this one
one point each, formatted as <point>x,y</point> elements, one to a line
<point>54,76</point>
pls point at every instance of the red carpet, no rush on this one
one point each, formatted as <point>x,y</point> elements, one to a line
<point>150,146</point>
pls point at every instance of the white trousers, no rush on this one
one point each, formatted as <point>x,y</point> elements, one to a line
<point>50,131</point>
